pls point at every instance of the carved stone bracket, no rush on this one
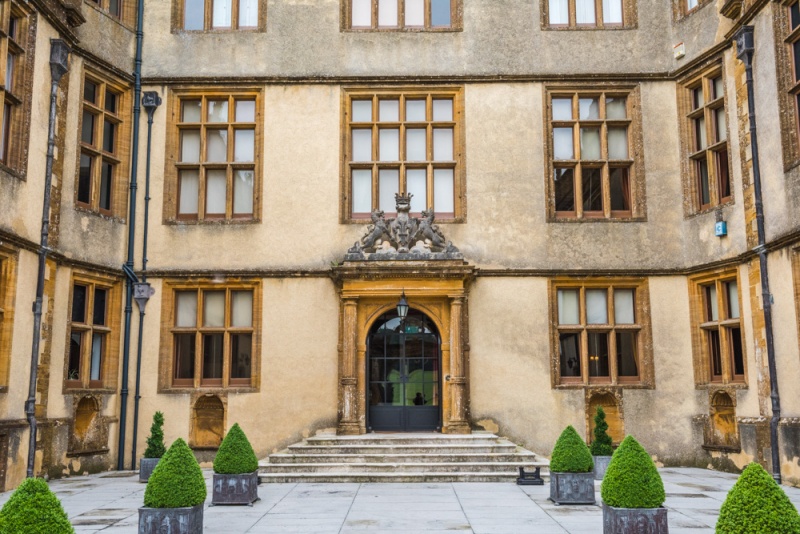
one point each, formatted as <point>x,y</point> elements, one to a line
<point>403,238</point>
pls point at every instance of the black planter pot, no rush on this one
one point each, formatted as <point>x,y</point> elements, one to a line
<point>146,466</point>
<point>235,489</point>
<point>600,466</point>
<point>634,520</point>
<point>572,488</point>
<point>172,520</point>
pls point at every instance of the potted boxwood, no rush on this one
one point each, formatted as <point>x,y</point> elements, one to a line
<point>756,504</point>
<point>175,493</point>
<point>235,470</point>
<point>571,476</point>
<point>633,492</point>
<point>155,448</point>
<point>601,445</point>
<point>34,508</point>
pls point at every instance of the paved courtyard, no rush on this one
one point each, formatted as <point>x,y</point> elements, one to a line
<point>108,503</point>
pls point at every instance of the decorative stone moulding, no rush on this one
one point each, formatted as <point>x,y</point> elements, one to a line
<point>732,9</point>
<point>235,489</point>
<point>146,466</point>
<point>572,488</point>
<point>173,520</point>
<point>600,466</point>
<point>634,520</point>
<point>403,238</point>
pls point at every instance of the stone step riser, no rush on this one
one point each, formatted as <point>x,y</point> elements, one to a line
<point>372,440</point>
<point>395,458</point>
<point>456,467</point>
<point>388,478</point>
<point>407,449</point>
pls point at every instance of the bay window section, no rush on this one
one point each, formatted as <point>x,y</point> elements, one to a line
<point>403,143</point>
<point>92,335</point>
<point>213,337</point>
<point>599,334</point>
<point>721,350</point>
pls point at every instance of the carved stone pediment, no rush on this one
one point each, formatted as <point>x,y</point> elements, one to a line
<point>732,8</point>
<point>403,238</point>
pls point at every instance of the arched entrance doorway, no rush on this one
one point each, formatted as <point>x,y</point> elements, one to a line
<point>403,370</point>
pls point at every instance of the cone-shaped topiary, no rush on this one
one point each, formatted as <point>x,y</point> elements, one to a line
<point>177,480</point>
<point>155,441</point>
<point>756,504</point>
<point>601,445</point>
<point>34,509</point>
<point>235,455</point>
<point>571,455</point>
<point>632,480</point>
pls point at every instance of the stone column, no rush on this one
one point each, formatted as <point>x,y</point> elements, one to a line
<point>458,381</point>
<point>348,377</point>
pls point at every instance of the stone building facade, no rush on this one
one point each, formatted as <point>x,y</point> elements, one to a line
<point>578,155</point>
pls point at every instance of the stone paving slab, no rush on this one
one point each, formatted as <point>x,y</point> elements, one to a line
<point>109,502</point>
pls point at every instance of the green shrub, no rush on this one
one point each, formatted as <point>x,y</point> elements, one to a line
<point>177,480</point>
<point>601,445</point>
<point>571,455</point>
<point>34,509</point>
<point>235,455</point>
<point>155,441</point>
<point>755,505</point>
<point>632,480</point>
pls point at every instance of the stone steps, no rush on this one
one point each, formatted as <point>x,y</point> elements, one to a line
<point>429,457</point>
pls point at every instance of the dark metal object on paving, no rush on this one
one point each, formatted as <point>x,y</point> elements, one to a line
<point>146,466</point>
<point>173,520</point>
<point>530,479</point>
<point>600,466</point>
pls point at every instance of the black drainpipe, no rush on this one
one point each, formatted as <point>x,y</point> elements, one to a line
<point>745,49</point>
<point>59,63</point>
<point>128,267</point>
<point>150,101</point>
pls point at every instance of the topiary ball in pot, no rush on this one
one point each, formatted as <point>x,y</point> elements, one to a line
<point>235,455</point>
<point>235,466</point>
<point>571,476</point>
<point>177,480</point>
<point>570,454</point>
<point>756,504</point>
<point>34,509</point>
<point>632,480</point>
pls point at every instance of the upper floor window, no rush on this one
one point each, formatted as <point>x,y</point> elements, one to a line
<point>205,15</point>
<point>793,40</point>
<point>15,93</point>
<point>718,343</point>
<point>706,140</point>
<point>403,142</point>
<point>102,173</point>
<point>93,334</point>
<point>214,336</point>
<point>587,14</point>
<point>686,7</point>
<point>593,169</point>
<point>419,15</point>
<point>216,162</point>
<point>602,332</point>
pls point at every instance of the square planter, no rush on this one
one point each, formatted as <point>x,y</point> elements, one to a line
<point>146,466</point>
<point>235,489</point>
<point>634,520</point>
<point>600,466</point>
<point>172,520</point>
<point>572,488</point>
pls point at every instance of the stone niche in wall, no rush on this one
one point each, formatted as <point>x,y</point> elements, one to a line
<point>612,406</point>
<point>89,431</point>
<point>208,422</point>
<point>721,431</point>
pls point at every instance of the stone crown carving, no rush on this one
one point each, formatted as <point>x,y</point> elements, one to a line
<point>403,237</point>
